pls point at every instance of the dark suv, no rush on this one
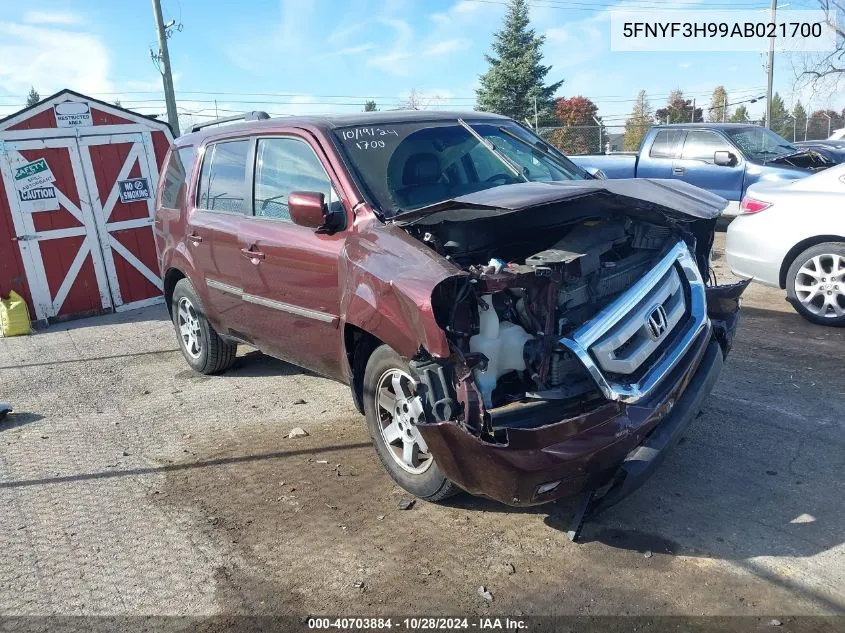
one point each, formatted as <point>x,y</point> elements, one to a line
<point>508,324</point>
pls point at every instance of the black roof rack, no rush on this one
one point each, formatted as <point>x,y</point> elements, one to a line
<point>255,115</point>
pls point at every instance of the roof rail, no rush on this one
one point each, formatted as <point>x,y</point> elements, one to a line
<point>255,115</point>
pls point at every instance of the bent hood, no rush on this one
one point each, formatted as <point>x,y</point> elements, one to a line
<point>674,197</point>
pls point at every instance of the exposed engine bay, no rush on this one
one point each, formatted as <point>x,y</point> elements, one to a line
<point>525,291</point>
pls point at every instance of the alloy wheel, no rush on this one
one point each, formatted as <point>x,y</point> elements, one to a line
<point>189,327</point>
<point>399,408</point>
<point>819,285</point>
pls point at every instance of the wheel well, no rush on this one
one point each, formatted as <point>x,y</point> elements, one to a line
<point>359,345</point>
<point>171,278</point>
<point>803,246</point>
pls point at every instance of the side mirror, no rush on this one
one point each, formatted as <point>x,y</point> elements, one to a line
<point>308,208</point>
<point>596,173</point>
<point>724,158</point>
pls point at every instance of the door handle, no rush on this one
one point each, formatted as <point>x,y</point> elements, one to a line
<point>196,239</point>
<point>249,254</point>
<point>678,171</point>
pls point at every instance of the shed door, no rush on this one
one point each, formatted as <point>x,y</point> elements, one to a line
<point>121,173</point>
<point>57,236</point>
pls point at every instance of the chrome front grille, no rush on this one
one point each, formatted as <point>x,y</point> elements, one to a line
<point>630,341</point>
<point>646,331</point>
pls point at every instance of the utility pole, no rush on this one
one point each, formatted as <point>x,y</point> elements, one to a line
<point>167,78</point>
<point>725,108</point>
<point>536,125</point>
<point>692,119</point>
<point>771,68</point>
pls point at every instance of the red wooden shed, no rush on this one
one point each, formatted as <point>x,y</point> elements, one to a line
<point>76,206</point>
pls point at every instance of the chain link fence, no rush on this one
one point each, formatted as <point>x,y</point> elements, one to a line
<point>609,139</point>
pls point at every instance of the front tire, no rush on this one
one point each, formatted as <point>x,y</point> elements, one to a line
<point>392,407</point>
<point>201,345</point>
<point>815,284</point>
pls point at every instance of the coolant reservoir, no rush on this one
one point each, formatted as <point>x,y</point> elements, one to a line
<point>502,343</point>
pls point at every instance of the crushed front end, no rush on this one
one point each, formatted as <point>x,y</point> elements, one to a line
<point>575,367</point>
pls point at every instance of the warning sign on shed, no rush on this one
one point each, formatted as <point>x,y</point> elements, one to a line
<point>134,189</point>
<point>72,114</point>
<point>34,184</point>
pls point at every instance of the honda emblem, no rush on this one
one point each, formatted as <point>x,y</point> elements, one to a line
<point>657,323</point>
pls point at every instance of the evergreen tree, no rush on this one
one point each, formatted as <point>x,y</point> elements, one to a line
<point>718,110</point>
<point>370,106</point>
<point>516,77</point>
<point>638,123</point>
<point>33,97</point>
<point>781,123</point>
<point>740,115</point>
<point>800,123</point>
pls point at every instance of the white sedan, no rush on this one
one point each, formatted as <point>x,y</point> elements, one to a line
<point>792,235</point>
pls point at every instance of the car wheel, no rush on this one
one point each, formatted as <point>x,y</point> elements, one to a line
<point>392,407</point>
<point>815,285</point>
<point>201,346</point>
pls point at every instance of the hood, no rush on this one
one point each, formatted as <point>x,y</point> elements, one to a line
<point>674,197</point>
<point>805,158</point>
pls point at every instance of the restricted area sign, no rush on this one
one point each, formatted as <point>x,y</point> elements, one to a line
<point>134,189</point>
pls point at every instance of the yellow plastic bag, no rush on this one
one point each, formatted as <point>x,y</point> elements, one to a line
<point>14,315</point>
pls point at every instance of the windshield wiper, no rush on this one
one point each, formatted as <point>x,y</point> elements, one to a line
<point>507,162</point>
<point>539,147</point>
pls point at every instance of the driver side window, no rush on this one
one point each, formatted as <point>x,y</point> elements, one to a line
<point>283,165</point>
<point>701,145</point>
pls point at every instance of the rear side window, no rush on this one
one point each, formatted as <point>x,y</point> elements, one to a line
<point>222,184</point>
<point>180,165</point>
<point>284,165</point>
<point>701,145</point>
<point>667,144</point>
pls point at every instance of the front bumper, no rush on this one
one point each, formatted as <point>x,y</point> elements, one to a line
<point>584,452</point>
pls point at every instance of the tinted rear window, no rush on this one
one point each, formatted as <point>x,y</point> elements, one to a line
<point>180,165</point>
<point>222,181</point>
<point>667,144</point>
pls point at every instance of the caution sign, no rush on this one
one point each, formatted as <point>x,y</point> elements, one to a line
<point>39,193</point>
<point>134,189</point>
<point>34,184</point>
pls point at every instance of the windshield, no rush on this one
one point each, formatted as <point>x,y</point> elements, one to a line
<point>405,166</point>
<point>759,143</point>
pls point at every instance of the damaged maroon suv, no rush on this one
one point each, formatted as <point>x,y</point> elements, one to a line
<point>508,324</point>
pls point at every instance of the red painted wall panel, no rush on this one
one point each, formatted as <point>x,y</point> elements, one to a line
<point>12,274</point>
<point>46,119</point>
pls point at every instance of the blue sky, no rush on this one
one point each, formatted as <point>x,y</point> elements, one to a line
<point>330,55</point>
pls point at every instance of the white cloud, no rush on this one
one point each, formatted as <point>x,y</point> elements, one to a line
<point>50,17</point>
<point>49,59</point>
<point>685,65</point>
<point>444,47</point>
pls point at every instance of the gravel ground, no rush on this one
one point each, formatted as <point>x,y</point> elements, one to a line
<point>131,485</point>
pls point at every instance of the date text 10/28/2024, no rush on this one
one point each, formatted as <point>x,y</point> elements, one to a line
<point>418,624</point>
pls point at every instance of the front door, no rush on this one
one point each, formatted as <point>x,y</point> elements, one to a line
<point>121,174</point>
<point>289,273</point>
<point>55,227</point>
<point>698,168</point>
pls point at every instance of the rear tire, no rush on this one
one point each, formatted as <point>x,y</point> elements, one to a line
<point>815,284</point>
<point>201,345</point>
<point>391,407</point>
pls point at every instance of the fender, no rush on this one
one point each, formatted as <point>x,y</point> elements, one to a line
<point>389,280</point>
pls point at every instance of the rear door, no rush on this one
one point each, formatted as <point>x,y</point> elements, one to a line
<point>289,273</point>
<point>664,150</point>
<point>212,231</point>
<point>696,165</point>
